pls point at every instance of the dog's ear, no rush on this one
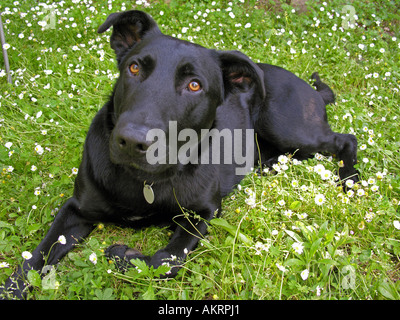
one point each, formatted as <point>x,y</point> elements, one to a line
<point>129,28</point>
<point>239,72</point>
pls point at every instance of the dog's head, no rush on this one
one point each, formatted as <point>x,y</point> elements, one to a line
<point>167,85</point>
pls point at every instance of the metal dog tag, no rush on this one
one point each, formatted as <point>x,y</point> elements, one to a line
<point>148,193</point>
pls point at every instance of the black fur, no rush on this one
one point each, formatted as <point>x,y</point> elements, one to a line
<point>286,113</point>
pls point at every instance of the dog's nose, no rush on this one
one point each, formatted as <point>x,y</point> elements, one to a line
<point>132,141</point>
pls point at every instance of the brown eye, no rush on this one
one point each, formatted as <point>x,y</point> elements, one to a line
<point>134,69</point>
<point>194,86</point>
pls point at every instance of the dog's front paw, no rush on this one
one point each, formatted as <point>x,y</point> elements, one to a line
<point>15,288</point>
<point>163,257</point>
<point>122,255</point>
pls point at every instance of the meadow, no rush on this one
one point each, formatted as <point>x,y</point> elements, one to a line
<point>289,234</point>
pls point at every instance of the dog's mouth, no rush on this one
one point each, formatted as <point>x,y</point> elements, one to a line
<point>150,168</point>
<point>140,164</point>
<point>155,172</point>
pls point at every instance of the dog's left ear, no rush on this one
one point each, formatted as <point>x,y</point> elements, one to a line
<point>129,28</point>
<point>240,73</point>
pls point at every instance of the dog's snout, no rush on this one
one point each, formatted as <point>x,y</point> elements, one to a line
<point>132,141</point>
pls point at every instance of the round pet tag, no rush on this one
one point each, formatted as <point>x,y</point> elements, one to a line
<point>148,193</point>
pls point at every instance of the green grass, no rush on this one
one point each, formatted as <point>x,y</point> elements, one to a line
<point>271,229</point>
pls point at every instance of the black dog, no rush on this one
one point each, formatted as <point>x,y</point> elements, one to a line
<point>164,82</point>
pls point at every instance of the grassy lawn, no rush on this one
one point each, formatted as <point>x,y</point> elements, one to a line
<point>290,235</point>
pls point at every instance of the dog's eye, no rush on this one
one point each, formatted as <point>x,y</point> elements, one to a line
<point>134,69</point>
<point>194,86</point>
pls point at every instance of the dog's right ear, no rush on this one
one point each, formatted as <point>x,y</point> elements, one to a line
<point>129,28</point>
<point>239,72</point>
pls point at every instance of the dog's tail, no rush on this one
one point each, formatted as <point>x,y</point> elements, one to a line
<point>323,89</point>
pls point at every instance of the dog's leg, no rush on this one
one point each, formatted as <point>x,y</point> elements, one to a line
<point>268,153</point>
<point>68,223</point>
<point>185,238</point>
<point>346,151</point>
<point>343,146</point>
